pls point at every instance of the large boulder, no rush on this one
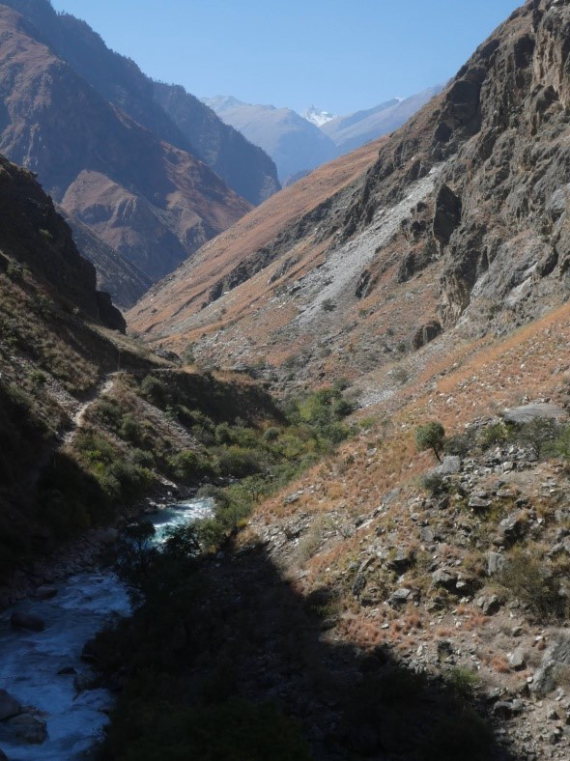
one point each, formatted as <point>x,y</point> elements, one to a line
<point>28,728</point>
<point>555,659</point>
<point>530,412</point>
<point>30,621</point>
<point>46,592</point>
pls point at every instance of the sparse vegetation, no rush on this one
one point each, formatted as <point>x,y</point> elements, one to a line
<point>431,436</point>
<point>530,581</point>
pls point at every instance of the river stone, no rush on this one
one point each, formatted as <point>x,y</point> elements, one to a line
<point>28,728</point>
<point>45,592</point>
<point>20,620</point>
<point>9,706</point>
<point>529,412</point>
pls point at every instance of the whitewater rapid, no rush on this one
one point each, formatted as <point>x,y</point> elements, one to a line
<point>45,670</point>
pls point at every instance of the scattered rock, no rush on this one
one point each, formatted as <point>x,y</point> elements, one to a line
<point>511,529</point>
<point>489,604</point>
<point>21,620</point>
<point>401,596</point>
<point>402,561</point>
<point>444,578</point>
<point>450,466</point>
<point>517,659</point>
<point>505,709</point>
<point>495,563</point>
<point>478,503</point>
<point>544,680</point>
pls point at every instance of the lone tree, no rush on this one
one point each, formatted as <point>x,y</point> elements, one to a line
<point>430,436</point>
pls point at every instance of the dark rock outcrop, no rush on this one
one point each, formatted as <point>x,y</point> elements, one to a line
<point>33,232</point>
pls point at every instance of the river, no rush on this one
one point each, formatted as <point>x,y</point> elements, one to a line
<point>45,670</point>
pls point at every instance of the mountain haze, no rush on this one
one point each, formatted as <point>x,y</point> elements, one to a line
<point>352,131</point>
<point>294,143</point>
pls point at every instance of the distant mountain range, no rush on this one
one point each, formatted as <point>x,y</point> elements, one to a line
<point>352,131</point>
<point>294,143</point>
<point>297,144</point>
<point>149,170</point>
<point>318,117</point>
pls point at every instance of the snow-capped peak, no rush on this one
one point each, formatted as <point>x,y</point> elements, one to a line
<point>318,117</point>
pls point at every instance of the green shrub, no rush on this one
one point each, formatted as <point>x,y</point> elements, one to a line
<point>494,435</point>
<point>38,378</point>
<point>435,484</point>
<point>430,436</point>
<point>130,429</point>
<point>561,444</point>
<point>109,412</point>
<point>271,434</point>
<point>188,467</point>
<point>530,582</point>
<point>538,434</point>
<point>463,681</point>
<point>155,390</point>
<point>239,462</point>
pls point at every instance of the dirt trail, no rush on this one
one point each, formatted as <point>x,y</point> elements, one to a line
<point>104,386</point>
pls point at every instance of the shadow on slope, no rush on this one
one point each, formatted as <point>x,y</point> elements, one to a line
<point>226,661</point>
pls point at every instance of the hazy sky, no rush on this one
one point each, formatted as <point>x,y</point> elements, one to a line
<point>341,55</point>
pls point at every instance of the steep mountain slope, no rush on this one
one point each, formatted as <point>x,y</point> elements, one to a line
<point>167,111</point>
<point>53,347</point>
<point>293,143</point>
<point>79,401</point>
<point>352,131</point>
<point>88,157</point>
<point>461,223</point>
<point>191,296</point>
<point>115,275</point>
<point>243,165</point>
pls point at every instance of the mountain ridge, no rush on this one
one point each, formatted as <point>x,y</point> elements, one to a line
<point>450,257</point>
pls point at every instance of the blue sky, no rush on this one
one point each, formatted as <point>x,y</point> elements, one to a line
<point>341,55</point>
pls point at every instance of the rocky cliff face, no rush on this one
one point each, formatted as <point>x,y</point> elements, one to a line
<point>499,134</point>
<point>461,223</point>
<point>34,236</point>
<point>167,111</point>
